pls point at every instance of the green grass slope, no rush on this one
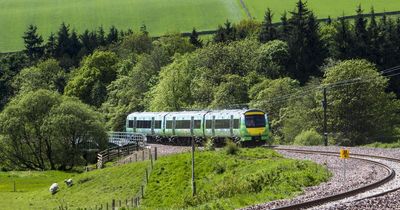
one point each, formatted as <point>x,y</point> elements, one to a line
<point>89,189</point>
<point>160,16</point>
<point>322,8</point>
<point>228,181</point>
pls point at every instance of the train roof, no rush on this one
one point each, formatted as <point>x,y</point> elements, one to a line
<point>193,113</point>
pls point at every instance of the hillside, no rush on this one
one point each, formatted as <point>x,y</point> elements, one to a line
<point>160,16</point>
<point>229,178</point>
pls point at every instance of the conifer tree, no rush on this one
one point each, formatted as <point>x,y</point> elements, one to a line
<point>33,43</point>
<point>284,28</point>
<point>268,31</point>
<point>75,46</point>
<point>374,39</point>
<point>143,29</point>
<point>360,35</point>
<point>194,39</point>
<point>50,47</point>
<point>63,40</point>
<point>112,35</point>
<point>343,40</point>
<point>101,37</point>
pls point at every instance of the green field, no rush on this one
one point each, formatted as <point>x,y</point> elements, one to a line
<point>160,16</point>
<point>223,181</point>
<point>322,8</point>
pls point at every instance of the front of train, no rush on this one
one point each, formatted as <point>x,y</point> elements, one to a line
<point>255,127</point>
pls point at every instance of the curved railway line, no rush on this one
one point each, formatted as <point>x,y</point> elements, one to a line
<point>372,159</point>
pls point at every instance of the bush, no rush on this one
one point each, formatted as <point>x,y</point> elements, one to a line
<point>231,148</point>
<point>209,146</point>
<point>309,138</point>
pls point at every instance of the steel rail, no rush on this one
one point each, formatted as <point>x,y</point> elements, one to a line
<point>319,201</point>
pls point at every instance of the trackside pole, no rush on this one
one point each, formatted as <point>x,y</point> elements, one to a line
<point>193,181</point>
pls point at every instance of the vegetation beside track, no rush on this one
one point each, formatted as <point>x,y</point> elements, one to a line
<point>89,189</point>
<point>228,181</point>
<point>384,145</point>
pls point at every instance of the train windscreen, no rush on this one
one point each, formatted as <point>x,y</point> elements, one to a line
<point>255,121</point>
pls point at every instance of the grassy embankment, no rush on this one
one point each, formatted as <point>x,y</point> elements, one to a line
<point>89,189</point>
<point>229,181</point>
<point>223,181</point>
<point>384,145</point>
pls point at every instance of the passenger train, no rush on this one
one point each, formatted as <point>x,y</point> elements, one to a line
<point>246,126</point>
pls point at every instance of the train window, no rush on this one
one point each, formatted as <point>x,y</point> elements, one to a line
<point>130,124</point>
<point>143,124</point>
<point>208,124</point>
<point>236,124</point>
<point>157,124</point>
<point>254,121</point>
<point>197,124</point>
<point>221,124</point>
<point>182,124</point>
<point>169,124</point>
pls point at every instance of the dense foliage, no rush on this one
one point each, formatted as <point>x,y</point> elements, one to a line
<point>280,68</point>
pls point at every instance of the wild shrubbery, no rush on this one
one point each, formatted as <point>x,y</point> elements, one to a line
<point>309,138</point>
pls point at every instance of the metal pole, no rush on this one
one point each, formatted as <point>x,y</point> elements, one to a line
<point>193,181</point>
<point>325,104</point>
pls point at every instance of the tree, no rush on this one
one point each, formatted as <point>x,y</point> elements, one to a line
<point>360,110</point>
<point>305,47</point>
<point>33,43</point>
<point>89,41</point>
<point>225,34</point>
<point>112,36</point>
<point>268,31</point>
<point>284,27</point>
<point>271,96</point>
<point>230,93</point>
<point>44,130</point>
<point>63,40</point>
<point>194,39</point>
<point>101,36</point>
<point>374,39</point>
<point>360,35</point>
<point>343,40</point>
<point>272,58</point>
<point>89,82</point>
<point>50,48</point>
<point>45,75</point>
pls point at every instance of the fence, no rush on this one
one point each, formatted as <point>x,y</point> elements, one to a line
<point>135,200</point>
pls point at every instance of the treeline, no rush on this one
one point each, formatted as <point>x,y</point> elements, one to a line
<point>281,69</point>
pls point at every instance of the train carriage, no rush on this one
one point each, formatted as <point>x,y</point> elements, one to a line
<point>241,125</point>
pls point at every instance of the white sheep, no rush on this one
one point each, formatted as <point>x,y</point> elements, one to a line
<point>68,182</point>
<point>53,188</point>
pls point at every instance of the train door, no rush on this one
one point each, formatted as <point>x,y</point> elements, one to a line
<point>152,126</point>
<point>191,126</point>
<point>213,125</point>
<point>231,126</point>
<point>134,124</point>
<point>173,126</point>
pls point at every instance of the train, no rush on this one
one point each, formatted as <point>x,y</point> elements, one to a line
<point>246,126</point>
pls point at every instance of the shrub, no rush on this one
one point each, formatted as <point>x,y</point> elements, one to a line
<point>308,138</point>
<point>209,146</point>
<point>231,148</point>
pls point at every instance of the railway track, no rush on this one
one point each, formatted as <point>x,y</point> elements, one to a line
<point>391,175</point>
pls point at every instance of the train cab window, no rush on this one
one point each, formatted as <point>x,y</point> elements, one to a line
<point>222,124</point>
<point>182,124</point>
<point>208,124</point>
<point>254,121</point>
<point>236,124</point>
<point>157,124</point>
<point>197,124</point>
<point>143,124</point>
<point>169,124</point>
<point>130,123</point>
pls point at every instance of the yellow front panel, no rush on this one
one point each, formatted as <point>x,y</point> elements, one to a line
<point>254,113</point>
<point>255,131</point>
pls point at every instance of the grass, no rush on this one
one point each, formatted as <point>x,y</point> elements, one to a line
<point>89,189</point>
<point>226,181</point>
<point>322,8</point>
<point>384,145</point>
<point>160,16</point>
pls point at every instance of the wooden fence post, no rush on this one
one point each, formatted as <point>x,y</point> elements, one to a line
<point>142,190</point>
<point>135,157</point>
<point>149,153</point>
<point>108,154</point>
<point>155,153</point>
<point>142,155</point>
<point>151,159</point>
<point>107,206</point>
<point>113,204</point>
<point>147,178</point>
<point>132,201</point>
<point>119,202</point>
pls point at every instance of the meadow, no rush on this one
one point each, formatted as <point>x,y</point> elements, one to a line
<point>321,8</point>
<point>160,16</point>
<point>223,181</point>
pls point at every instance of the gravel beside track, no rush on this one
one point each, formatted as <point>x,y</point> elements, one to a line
<point>358,173</point>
